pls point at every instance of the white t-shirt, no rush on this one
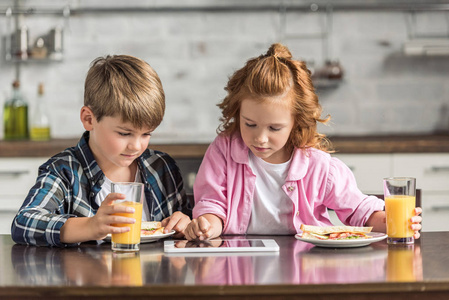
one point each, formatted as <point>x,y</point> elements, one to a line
<point>272,209</point>
<point>106,190</point>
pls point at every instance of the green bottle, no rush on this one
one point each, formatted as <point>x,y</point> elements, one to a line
<point>15,115</point>
<point>40,123</point>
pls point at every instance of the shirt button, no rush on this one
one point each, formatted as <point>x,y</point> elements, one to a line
<point>291,188</point>
<point>297,213</point>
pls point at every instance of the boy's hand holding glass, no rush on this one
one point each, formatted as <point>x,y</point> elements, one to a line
<point>101,224</point>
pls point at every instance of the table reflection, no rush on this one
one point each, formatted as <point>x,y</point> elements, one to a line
<point>350,265</point>
<point>404,263</point>
<point>246,268</point>
<point>60,266</point>
<point>92,265</point>
<point>296,263</point>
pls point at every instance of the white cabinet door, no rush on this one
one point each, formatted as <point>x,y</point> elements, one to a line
<point>435,211</point>
<point>369,170</point>
<point>431,171</point>
<point>17,176</point>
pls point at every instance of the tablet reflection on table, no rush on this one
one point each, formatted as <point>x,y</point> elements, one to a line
<point>237,268</point>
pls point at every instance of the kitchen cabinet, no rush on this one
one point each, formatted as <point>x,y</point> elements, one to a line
<point>369,170</point>
<point>432,176</point>
<point>431,171</point>
<point>17,176</point>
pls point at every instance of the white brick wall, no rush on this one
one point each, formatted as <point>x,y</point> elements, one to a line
<point>194,53</point>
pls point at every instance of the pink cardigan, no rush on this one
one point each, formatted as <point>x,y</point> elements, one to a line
<point>225,185</point>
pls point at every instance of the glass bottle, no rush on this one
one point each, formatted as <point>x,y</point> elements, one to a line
<point>15,115</point>
<point>40,123</point>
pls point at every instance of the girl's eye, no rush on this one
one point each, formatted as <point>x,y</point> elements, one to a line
<point>250,125</point>
<point>274,129</point>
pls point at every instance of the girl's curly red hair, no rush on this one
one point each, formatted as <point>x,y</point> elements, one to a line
<point>269,76</point>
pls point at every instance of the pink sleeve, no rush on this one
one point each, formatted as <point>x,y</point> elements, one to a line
<point>210,183</point>
<point>342,194</point>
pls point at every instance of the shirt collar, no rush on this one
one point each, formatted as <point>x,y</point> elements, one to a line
<point>87,160</point>
<point>298,166</point>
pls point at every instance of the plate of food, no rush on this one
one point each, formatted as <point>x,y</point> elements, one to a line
<point>151,231</point>
<point>339,236</point>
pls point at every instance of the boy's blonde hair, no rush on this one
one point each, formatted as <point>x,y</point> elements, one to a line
<point>270,75</point>
<point>127,87</point>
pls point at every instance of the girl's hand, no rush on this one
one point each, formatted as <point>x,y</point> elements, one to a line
<point>199,229</point>
<point>416,222</point>
<point>178,222</point>
<point>104,220</point>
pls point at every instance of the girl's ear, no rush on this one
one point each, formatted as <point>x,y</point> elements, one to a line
<point>87,118</point>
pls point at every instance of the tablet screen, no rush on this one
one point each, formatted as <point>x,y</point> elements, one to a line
<point>221,245</point>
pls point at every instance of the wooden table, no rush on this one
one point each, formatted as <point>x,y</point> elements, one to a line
<point>299,271</point>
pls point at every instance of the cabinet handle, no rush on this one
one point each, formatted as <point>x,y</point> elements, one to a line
<point>436,169</point>
<point>439,207</point>
<point>13,173</point>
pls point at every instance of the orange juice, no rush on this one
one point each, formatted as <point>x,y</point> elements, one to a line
<point>399,210</point>
<point>400,265</point>
<point>133,235</point>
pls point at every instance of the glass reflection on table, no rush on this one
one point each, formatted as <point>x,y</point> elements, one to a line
<point>404,263</point>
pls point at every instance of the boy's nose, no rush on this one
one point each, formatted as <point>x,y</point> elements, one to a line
<point>134,144</point>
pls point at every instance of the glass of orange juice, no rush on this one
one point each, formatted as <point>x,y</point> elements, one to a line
<point>400,198</point>
<point>129,241</point>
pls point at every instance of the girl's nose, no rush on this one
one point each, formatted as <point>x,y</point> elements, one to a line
<point>261,138</point>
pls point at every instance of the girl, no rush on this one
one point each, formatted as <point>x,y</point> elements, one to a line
<point>269,170</point>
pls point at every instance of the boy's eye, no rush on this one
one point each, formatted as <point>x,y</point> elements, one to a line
<point>148,133</point>
<point>250,125</point>
<point>123,134</point>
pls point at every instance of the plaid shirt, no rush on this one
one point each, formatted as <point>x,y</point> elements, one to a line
<point>68,183</point>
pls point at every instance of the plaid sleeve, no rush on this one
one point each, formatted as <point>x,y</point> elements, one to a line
<point>39,220</point>
<point>166,187</point>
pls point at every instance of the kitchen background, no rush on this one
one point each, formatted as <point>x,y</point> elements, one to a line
<point>195,45</point>
<point>381,68</point>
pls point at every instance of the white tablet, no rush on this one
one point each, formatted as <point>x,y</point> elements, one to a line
<point>221,245</point>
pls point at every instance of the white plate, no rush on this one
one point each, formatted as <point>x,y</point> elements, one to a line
<point>375,237</point>
<point>148,238</point>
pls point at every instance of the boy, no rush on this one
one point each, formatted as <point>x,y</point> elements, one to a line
<point>71,201</point>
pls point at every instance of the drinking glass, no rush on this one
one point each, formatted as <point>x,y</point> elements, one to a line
<point>400,200</point>
<point>128,241</point>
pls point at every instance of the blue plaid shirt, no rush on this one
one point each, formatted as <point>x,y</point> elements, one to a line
<point>68,183</point>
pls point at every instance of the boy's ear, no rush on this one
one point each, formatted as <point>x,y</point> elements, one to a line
<point>87,118</point>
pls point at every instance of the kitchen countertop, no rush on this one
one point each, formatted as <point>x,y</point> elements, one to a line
<point>299,271</point>
<point>435,143</point>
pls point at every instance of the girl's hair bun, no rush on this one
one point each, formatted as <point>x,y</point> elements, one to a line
<point>279,50</point>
